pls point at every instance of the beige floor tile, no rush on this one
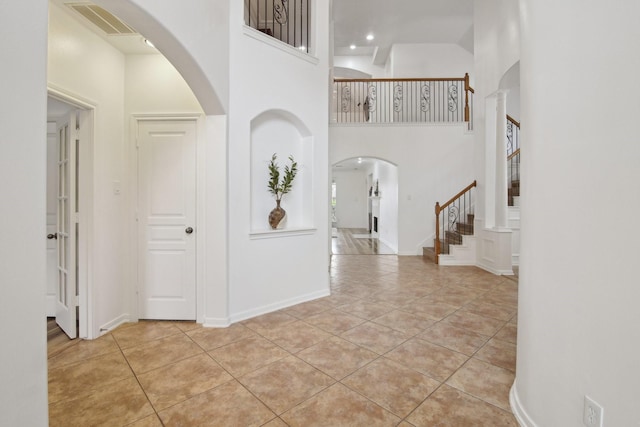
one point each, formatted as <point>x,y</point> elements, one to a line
<point>134,334</point>
<point>429,309</point>
<point>296,336</point>
<point>509,333</point>
<point>337,357</point>
<point>374,337</point>
<point>339,406</point>
<point>285,383</point>
<point>404,322</point>
<point>499,353</point>
<point>472,322</point>
<point>84,350</point>
<point>269,321</point>
<point>117,404</point>
<point>69,381</point>
<point>489,310</point>
<point>150,421</point>
<point>304,310</point>
<point>162,352</point>
<point>276,422</point>
<point>234,406</point>
<point>448,407</point>
<point>247,355</point>
<point>366,309</point>
<point>453,338</point>
<point>430,359</point>
<point>335,321</point>
<point>484,381</point>
<point>392,386</point>
<point>212,338</point>
<point>182,380</point>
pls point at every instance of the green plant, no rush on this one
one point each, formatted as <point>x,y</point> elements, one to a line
<point>279,187</point>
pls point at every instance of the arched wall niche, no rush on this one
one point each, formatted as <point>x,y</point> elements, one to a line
<point>282,133</point>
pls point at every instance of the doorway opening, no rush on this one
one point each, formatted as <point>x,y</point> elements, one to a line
<point>69,143</point>
<point>364,221</point>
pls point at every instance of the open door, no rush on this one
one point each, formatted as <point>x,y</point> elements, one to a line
<point>67,226</point>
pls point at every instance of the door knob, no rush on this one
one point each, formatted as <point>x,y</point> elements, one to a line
<point>52,236</point>
<point>188,230</point>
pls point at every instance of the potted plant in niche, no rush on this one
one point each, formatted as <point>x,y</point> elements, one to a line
<point>279,187</point>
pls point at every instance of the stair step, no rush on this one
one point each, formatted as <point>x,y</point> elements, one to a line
<point>453,237</point>
<point>429,253</point>
<point>465,228</point>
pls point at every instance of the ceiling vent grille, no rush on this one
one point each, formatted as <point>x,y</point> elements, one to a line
<point>102,19</point>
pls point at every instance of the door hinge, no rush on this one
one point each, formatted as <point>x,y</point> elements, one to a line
<point>76,218</point>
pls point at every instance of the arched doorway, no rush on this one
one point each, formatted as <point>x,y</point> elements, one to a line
<point>364,206</point>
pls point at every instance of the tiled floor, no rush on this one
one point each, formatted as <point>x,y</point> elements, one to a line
<point>354,241</point>
<point>400,342</point>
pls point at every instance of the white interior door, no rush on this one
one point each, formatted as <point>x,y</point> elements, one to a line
<point>166,219</point>
<point>66,227</point>
<point>52,208</point>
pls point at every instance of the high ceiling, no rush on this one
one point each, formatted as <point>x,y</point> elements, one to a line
<point>399,21</point>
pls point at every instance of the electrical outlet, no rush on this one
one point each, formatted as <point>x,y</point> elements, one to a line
<point>593,412</point>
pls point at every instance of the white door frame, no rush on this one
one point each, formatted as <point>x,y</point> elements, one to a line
<point>85,208</point>
<point>200,206</point>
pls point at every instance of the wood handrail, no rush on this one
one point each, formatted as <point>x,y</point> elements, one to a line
<point>440,208</point>
<point>514,121</point>
<point>437,79</point>
<point>512,155</point>
<point>467,89</point>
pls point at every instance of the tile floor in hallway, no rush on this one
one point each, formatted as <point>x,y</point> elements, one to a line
<point>400,342</point>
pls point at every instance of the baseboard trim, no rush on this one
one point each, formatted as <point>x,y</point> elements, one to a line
<point>216,322</point>
<point>515,259</point>
<point>111,325</point>
<point>495,271</point>
<point>248,314</point>
<point>518,410</point>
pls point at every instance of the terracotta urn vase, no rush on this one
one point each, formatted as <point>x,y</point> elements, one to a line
<point>276,215</point>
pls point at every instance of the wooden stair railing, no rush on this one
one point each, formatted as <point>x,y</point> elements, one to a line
<point>468,106</point>
<point>513,159</point>
<point>408,100</point>
<point>460,204</point>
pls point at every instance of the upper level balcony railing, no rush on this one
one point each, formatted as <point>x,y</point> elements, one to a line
<point>442,100</point>
<point>285,20</point>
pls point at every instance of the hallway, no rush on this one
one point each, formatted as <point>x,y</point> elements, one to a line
<point>399,342</point>
<point>357,241</point>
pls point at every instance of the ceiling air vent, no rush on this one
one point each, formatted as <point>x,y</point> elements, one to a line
<point>102,19</point>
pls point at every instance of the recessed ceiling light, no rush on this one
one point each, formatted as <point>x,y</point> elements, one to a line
<point>353,46</point>
<point>369,37</point>
<point>359,159</point>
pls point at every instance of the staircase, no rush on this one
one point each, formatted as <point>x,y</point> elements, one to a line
<point>454,242</point>
<point>513,193</point>
<point>456,245</point>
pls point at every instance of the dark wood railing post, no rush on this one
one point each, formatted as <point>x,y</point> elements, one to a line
<point>436,245</point>
<point>466,97</point>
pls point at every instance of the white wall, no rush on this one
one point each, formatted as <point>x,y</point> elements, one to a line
<point>430,60</point>
<point>351,198</point>
<point>434,163</point>
<point>23,114</point>
<point>361,63</point>
<point>578,311</point>
<point>83,65</point>
<point>266,75</point>
<point>387,176</point>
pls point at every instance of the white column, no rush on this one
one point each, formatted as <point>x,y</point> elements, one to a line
<point>501,161</point>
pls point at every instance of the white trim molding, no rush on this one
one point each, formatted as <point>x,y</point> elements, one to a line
<point>248,314</point>
<point>518,410</point>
